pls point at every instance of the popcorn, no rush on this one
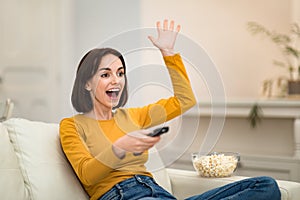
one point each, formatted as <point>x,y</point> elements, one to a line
<point>215,165</point>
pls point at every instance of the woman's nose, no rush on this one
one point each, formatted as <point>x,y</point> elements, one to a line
<point>115,79</point>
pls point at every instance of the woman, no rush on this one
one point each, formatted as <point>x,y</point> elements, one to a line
<point>107,145</point>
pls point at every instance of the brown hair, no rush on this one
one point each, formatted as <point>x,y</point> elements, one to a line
<point>87,68</point>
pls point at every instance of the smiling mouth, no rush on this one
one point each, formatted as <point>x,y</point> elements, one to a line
<point>113,93</point>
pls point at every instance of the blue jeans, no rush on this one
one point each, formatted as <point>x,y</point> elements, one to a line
<point>145,188</point>
<point>257,188</point>
<point>137,187</point>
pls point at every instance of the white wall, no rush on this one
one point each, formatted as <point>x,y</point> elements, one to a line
<point>87,25</point>
<point>243,60</point>
<point>219,27</point>
<point>30,57</point>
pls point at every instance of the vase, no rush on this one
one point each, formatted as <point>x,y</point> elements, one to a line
<point>294,88</point>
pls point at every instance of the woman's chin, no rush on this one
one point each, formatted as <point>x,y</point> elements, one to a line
<point>114,103</point>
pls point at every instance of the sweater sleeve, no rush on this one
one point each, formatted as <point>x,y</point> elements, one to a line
<point>167,109</point>
<point>89,169</point>
<point>181,84</point>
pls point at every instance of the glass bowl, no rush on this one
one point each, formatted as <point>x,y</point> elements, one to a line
<point>216,164</point>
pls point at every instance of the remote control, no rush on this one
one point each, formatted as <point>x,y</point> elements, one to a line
<point>159,131</point>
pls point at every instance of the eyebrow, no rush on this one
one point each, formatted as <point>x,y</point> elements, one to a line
<point>106,68</point>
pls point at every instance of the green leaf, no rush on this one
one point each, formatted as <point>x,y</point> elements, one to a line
<point>292,51</point>
<point>255,115</point>
<point>255,28</point>
<point>279,63</point>
<point>280,38</point>
<point>295,29</point>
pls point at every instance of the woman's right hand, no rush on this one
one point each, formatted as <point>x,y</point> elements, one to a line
<point>136,142</point>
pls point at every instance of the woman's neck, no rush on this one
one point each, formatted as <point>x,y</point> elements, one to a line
<point>100,114</point>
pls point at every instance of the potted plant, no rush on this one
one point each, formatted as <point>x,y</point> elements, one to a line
<point>255,115</point>
<point>287,44</point>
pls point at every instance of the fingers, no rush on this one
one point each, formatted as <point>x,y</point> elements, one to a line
<point>140,133</point>
<point>151,39</point>
<point>147,143</point>
<point>144,145</point>
<point>130,143</point>
<point>171,25</point>
<point>158,25</point>
<point>178,28</point>
<point>167,27</point>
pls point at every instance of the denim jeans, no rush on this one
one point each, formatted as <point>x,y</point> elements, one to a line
<point>257,188</point>
<point>145,188</point>
<point>137,187</point>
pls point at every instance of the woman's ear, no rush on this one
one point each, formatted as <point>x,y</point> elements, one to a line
<point>88,86</point>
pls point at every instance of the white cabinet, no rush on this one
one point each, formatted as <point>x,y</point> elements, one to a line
<point>272,148</point>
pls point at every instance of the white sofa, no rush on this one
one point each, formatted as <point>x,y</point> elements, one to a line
<point>33,166</point>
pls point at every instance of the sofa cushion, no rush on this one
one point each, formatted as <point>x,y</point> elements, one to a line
<point>157,167</point>
<point>11,181</point>
<point>46,172</point>
<point>188,183</point>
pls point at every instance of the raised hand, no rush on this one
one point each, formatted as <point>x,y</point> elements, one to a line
<point>166,37</point>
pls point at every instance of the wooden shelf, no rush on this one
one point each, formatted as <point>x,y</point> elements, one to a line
<point>281,108</point>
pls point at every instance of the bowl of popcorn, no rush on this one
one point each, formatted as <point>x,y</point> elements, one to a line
<point>216,164</point>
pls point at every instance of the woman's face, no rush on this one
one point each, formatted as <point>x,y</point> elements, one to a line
<point>107,84</point>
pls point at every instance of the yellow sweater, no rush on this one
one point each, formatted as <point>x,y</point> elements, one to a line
<point>87,142</point>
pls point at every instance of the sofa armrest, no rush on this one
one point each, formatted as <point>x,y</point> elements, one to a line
<point>188,183</point>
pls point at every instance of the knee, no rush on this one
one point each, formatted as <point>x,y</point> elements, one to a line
<point>270,185</point>
<point>268,180</point>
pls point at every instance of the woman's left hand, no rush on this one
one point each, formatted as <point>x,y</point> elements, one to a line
<point>166,38</point>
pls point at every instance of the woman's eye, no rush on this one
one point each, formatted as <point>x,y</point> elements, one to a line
<point>121,74</point>
<point>103,75</point>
